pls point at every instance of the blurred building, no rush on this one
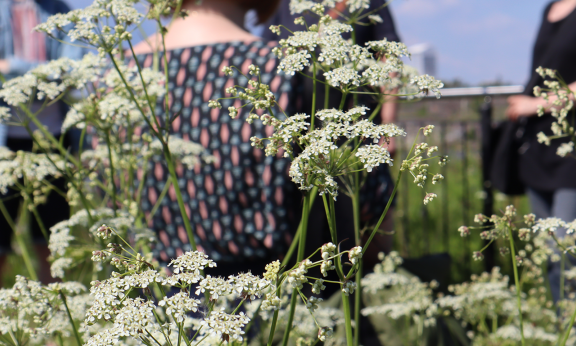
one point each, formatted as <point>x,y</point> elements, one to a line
<point>423,58</point>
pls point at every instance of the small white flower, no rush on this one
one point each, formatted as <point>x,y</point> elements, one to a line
<point>429,197</point>
<point>355,254</point>
<point>349,287</point>
<point>178,305</point>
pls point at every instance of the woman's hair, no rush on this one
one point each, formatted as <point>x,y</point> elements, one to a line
<point>264,8</point>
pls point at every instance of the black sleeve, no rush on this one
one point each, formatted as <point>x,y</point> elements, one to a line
<point>61,7</point>
<point>386,29</point>
<point>282,16</point>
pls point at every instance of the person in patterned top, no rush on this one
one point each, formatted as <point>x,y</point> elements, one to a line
<point>243,208</point>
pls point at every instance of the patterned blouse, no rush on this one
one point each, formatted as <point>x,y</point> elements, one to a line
<point>241,206</point>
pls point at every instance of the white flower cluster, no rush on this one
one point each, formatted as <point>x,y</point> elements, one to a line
<point>428,84</point>
<point>192,261</point>
<point>50,80</point>
<point>32,167</point>
<point>226,326</point>
<point>551,225</point>
<point>103,24</point>
<point>179,304</point>
<point>297,276</point>
<point>560,108</point>
<point>320,161</point>
<point>328,251</point>
<point>355,254</point>
<point>249,286</point>
<point>35,312</point>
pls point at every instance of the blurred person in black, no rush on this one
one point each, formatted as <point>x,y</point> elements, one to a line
<point>549,178</point>
<point>381,181</point>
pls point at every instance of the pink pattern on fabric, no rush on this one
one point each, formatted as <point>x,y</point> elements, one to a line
<point>28,44</point>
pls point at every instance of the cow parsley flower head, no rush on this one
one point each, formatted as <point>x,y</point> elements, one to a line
<point>214,287</point>
<point>228,327</point>
<point>294,62</point>
<point>193,262</point>
<point>178,305</point>
<point>59,266</point>
<point>271,302</point>
<point>343,77</point>
<point>373,155</point>
<point>249,286</point>
<point>355,254</point>
<point>550,225</point>
<point>426,84</point>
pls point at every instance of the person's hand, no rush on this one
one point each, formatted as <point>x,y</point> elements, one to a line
<point>4,66</point>
<point>392,147</point>
<point>522,106</point>
<point>388,144</point>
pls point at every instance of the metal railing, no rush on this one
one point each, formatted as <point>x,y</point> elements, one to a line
<point>468,143</point>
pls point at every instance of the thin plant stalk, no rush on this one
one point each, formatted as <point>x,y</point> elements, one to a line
<point>517,283</point>
<point>377,227</point>
<point>272,328</point>
<point>169,160</point>
<point>347,319</point>
<point>299,258</point>
<point>570,325</point>
<point>76,334</point>
<point>358,294</point>
<point>25,255</point>
<point>39,220</point>
<point>174,177</point>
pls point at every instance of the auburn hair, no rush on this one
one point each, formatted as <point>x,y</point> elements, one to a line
<point>264,8</point>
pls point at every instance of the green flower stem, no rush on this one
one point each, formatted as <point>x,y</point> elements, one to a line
<point>329,207</point>
<point>562,267</point>
<point>76,334</point>
<point>112,174</point>
<point>358,294</point>
<point>160,198</point>
<point>167,156</point>
<point>517,283</point>
<point>347,319</point>
<point>63,152</point>
<point>313,112</point>
<point>20,241</point>
<point>39,220</point>
<point>299,258</point>
<point>172,170</point>
<point>326,95</point>
<point>144,87</point>
<point>569,328</point>
<point>290,318</point>
<point>296,240</point>
<point>377,227</point>
<point>272,328</point>
<point>357,302</point>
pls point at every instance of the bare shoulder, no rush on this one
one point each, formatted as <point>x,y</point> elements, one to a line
<point>147,46</point>
<point>560,10</point>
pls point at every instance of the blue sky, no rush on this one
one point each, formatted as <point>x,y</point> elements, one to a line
<point>475,40</point>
